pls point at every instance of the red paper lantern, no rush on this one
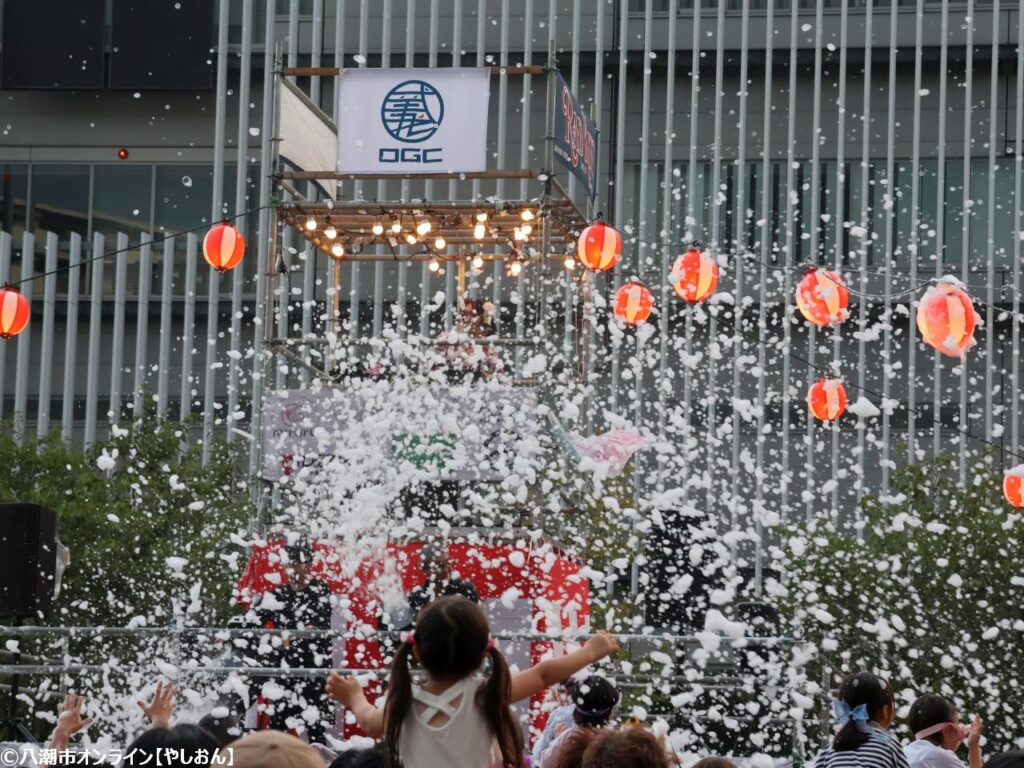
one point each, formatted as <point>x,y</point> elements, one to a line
<point>1012,489</point>
<point>822,298</point>
<point>633,303</point>
<point>14,312</point>
<point>827,399</point>
<point>694,276</point>
<point>599,247</point>
<point>223,247</point>
<point>946,317</point>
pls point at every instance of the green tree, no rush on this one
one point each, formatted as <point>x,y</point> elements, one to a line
<point>148,526</point>
<point>928,592</point>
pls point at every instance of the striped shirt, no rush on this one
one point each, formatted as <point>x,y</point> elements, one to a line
<point>881,750</point>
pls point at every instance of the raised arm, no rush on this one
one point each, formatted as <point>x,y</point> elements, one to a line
<point>349,693</point>
<point>974,758</point>
<point>547,673</point>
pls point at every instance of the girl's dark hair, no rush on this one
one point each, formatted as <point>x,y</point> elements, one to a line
<point>595,699</point>
<point>451,638</point>
<point>570,755</point>
<point>360,758</point>
<point>930,709</point>
<point>634,747</point>
<point>186,738</point>
<point>861,688</point>
<point>224,729</point>
<point>714,762</point>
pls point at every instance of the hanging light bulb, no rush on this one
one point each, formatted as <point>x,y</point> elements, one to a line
<point>396,226</point>
<point>338,250</point>
<point>482,216</point>
<point>479,231</point>
<point>519,235</point>
<point>330,232</point>
<point>423,228</point>
<point>478,262</point>
<point>515,268</point>
<point>526,215</point>
<point>439,243</point>
<point>410,239</point>
<point>526,229</point>
<point>378,228</point>
<point>435,265</point>
<point>311,223</point>
<point>570,262</point>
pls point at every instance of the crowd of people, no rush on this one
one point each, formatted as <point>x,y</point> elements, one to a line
<point>448,704</point>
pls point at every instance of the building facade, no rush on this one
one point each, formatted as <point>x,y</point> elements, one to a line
<point>882,140</point>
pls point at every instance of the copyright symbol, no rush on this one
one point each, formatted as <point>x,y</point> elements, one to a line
<point>9,756</point>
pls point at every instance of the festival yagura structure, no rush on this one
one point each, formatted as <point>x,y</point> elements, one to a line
<point>414,125</point>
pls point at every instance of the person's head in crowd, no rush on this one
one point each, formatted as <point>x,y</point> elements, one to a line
<point>1013,759</point>
<point>452,640</point>
<point>934,718</point>
<point>714,762</point>
<point>223,726</point>
<point>568,689</point>
<point>274,749</point>
<point>360,758</point>
<point>595,702</point>
<point>632,747</point>
<point>184,738</point>
<point>477,319</point>
<point>436,563</point>
<point>571,751</point>
<point>462,587</point>
<point>863,698</point>
<point>298,562</point>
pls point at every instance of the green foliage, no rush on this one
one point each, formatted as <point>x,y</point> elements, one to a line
<point>121,525</point>
<point>930,597</point>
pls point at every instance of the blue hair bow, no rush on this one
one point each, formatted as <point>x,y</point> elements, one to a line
<point>845,714</point>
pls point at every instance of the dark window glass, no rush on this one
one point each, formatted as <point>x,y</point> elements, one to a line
<point>161,44</point>
<point>122,199</point>
<point>60,200</point>
<point>13,186</point>
<point>183,195</point>
<point>53,44</point>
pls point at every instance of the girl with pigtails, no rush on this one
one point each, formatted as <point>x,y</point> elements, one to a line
<point>865,708</point>
<point>456,716</point>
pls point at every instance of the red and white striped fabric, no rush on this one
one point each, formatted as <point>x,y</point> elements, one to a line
<point>633,303</point>
<point>1013,486</point>
<point>694,276</point>
<point>822,298</point>
<point>14,312</point>
<point>827,399</point>
<point>946,318</point>
<point>599,247</point>
<point>223,247</point>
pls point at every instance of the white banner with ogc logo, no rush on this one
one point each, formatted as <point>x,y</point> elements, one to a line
<point>413,120</point>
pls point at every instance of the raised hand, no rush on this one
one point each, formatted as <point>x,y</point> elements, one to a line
<point>158,711</point>
<point>344,690</point>
<point>602,644</point>
<point>69,721</point>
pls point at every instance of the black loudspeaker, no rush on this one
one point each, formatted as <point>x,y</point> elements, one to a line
<point>28,560</point>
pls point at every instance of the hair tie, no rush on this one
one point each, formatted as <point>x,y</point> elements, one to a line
<point>492,645</point>
<point>410,638</point>
<point>845,714</point>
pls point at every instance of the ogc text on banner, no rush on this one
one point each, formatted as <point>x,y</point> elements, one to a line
<point>413,120</point>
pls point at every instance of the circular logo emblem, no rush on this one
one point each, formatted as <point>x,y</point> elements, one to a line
<point>412,111</point>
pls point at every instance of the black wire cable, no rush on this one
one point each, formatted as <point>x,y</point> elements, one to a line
<point>867,390</point>
<point>105,254</point>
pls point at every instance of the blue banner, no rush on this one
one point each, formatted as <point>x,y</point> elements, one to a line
<point>575,137</point>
